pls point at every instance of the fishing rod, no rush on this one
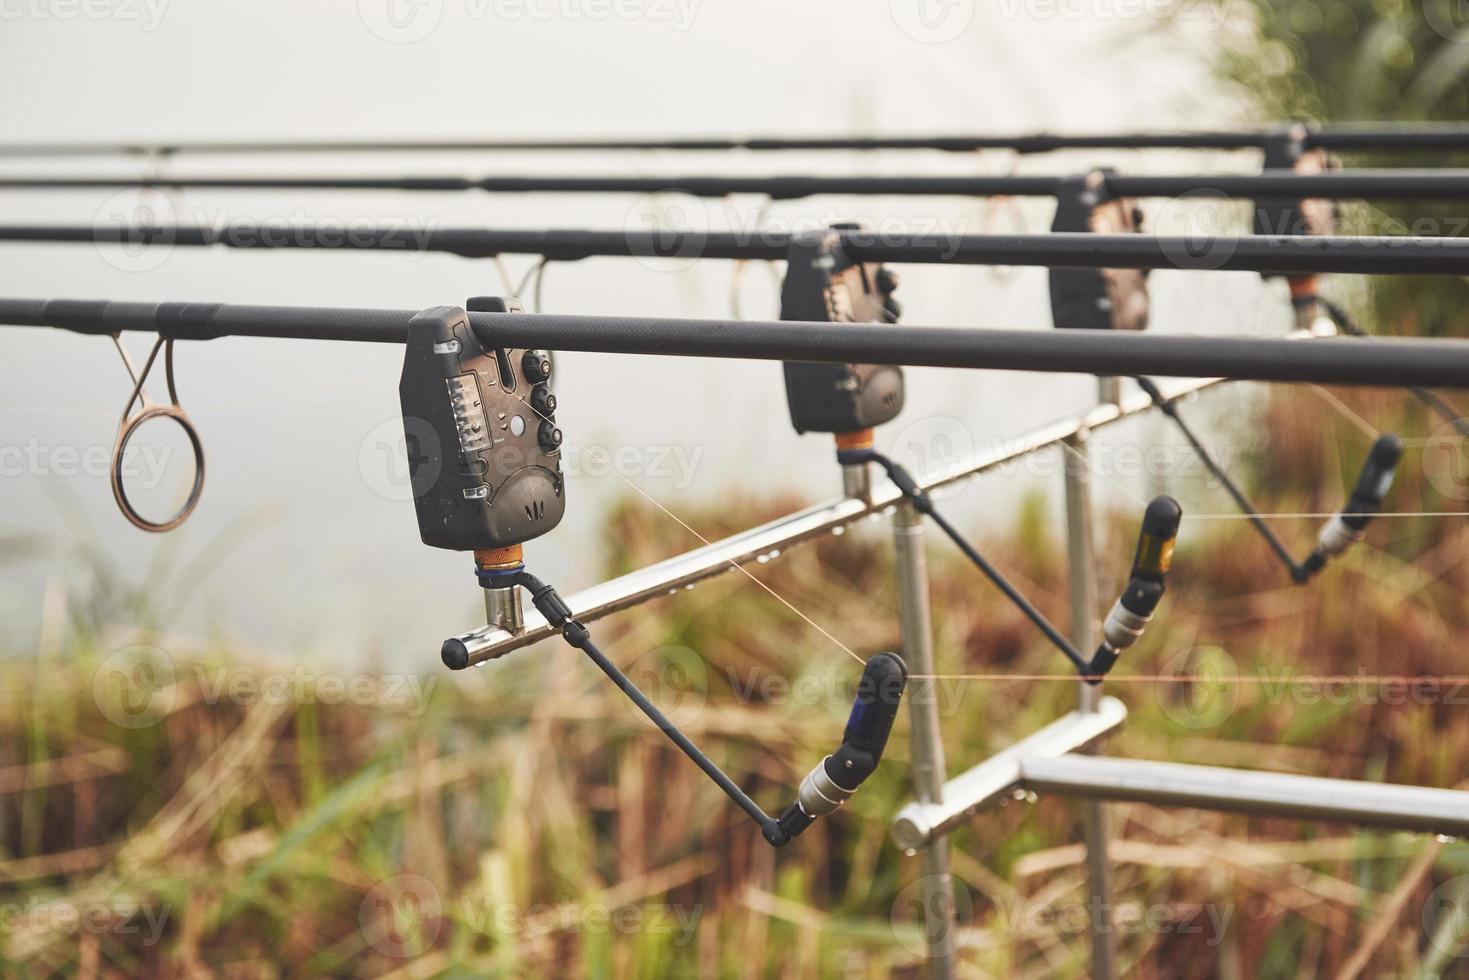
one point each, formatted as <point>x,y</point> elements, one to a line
<point>1381,185</point>
<point>1358,255</point>
<point>841,376</point>
<point>1379,137</point>
<point>1387,362</point>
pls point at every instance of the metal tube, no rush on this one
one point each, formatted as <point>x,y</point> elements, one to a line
<point>669,576</point>
<point>504,609</point>
<point>918,823</point>
<point>1080,542</point>
<point>1082,577</point>
<point>683,571</point>
<point>1345,361</point>
<point>1377,185</point>
<point>857,481</point>
<point>1283,254</point>
<point>1382,805</point>
<point>936,886</point>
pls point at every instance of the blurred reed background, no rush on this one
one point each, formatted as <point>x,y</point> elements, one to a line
<point>221,811</point>
<point>172,805</point>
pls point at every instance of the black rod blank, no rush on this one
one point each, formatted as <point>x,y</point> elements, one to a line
<point>1352,136</point>
<point>1346,360</point>
<point>1283,254</point>
<point>1377,185</point>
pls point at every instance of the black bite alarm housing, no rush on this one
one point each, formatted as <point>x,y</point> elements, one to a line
<point>483,460</point>
<point>824,284</point>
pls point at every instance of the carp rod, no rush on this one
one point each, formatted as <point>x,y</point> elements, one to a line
<point>1279,254</point>
<point>1345,360</point>
<point>1377,137</point>
<point>1380,185</point>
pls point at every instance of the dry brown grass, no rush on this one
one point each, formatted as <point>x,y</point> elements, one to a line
<point>521,820</point>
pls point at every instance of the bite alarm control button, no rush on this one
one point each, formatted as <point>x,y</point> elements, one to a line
<point>543,402</point>
<point>536,366</point>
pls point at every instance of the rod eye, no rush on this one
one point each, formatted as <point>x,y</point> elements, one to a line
<point>125,433</point>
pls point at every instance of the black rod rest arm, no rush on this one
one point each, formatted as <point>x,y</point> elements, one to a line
<point>1342,531</point>
<point>1347,527</point>
<point>1145,586</point>
<point>1129,616</point>
<point>825,788</point>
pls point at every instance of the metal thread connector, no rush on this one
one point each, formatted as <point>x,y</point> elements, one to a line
<point>503,607</point>
<point>819,793</point>
<point>856,477</point>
